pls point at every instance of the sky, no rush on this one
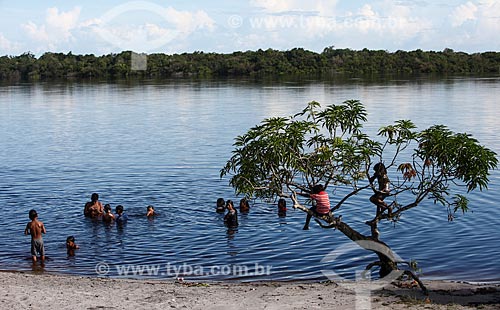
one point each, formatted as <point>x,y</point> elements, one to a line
<point>154,26</point>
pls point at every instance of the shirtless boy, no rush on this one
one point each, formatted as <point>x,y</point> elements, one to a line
<point>36,228</point>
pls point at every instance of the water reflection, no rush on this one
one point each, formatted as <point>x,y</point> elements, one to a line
<point>37,267</point>
<point>230,234</point>
<point>163,143</point>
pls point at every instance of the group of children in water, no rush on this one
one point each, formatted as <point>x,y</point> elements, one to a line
<point>231,217</point>
<point>92,209</point>
<point>321,206</point>
<point>319,198</point>
<point>318,195</point>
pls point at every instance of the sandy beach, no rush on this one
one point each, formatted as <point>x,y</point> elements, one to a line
<point>37,291</point>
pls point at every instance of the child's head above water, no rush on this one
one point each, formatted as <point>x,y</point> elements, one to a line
<point>70,239</point>
<point>151,211</point>
<point>220,202</point>
<point>229,205</point>
<point>119,209</point>
<point>107,208</point>
<point>282,204</point>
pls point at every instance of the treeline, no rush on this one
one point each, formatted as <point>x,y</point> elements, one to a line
<point>250,63</point>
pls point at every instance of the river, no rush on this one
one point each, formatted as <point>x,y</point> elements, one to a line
<point>162,143</point>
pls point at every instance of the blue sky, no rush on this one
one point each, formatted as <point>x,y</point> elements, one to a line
<point>102,27</point>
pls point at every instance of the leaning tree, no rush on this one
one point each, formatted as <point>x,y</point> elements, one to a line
<point>285,155</point>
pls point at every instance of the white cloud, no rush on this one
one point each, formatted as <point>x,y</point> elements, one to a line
<point>319,7</point>
<point>188,22</point>
<point>90,23</point>
<point>388,22</point>
<point>368,25</point>
<point>35,32</point>
<point>64,21</point>
<point>273,5</point>
<point>7,46</point>
<point>4,43</point>
<point>489,11</point>
<point>473,26</point>
<point>470,25</point>
<point>57,28</point>
<point>367,11</point>
<point>463,13</point>
<point>485,36</point>
<point>141,35</point>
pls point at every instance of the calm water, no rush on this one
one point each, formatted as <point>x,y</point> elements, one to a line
<point>164,144</point>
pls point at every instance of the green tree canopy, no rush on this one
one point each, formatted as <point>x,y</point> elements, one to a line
<point>285,155</point>
<point>269,63</point>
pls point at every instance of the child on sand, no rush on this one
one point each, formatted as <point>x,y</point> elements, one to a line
<point>36,228</point>
<point>71,246</point>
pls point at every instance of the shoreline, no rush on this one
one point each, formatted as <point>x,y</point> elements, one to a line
<point>29,290</point>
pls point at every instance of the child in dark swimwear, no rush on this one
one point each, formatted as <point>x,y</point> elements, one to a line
<point>71,246</point>
<point>281,207</point>
<point>36,228</point>
<point>244,205</point>
<point>231,217</point>
<point>220,205</point>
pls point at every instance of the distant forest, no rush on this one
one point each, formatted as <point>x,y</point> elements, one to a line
<point>258,63</point>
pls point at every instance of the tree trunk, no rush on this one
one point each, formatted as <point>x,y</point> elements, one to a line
<point>388,260</point>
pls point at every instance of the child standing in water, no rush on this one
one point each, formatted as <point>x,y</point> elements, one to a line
<point>36,228</point>
<point>244,205</point>
<point>220,205</point>
<point>231,217</point>
<point>71,246</point>
<point>281,207</point>
<point>93,208</point>
<point>120,216</point>
<point>108,217</point>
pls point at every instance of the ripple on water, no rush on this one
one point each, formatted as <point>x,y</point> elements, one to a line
<point>166,150</point>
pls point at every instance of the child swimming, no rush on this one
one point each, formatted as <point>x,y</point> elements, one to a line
<point>151,211</point>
